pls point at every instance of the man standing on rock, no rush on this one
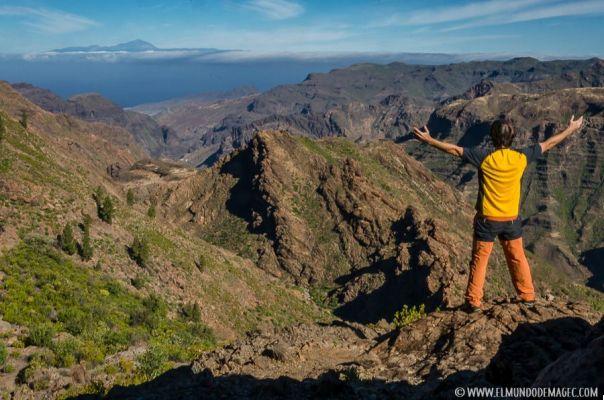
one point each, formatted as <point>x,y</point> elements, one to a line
<point>500,173</point>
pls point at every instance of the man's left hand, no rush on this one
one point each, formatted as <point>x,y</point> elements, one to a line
<point>422,134</point>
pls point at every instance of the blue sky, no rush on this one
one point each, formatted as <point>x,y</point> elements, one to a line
<point>540,27</point>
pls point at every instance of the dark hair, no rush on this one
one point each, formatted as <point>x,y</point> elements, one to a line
<point>502,133</point>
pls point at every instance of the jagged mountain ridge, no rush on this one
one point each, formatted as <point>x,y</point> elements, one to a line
<point>368,101</point>
<point>318,213</point>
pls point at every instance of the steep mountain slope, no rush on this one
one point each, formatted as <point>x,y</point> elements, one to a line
<point>95,108</point>
<point>564,195</point>
<point>376,101</point>
<point>313,213</point>
<point>126,312</point>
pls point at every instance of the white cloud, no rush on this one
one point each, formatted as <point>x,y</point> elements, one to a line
<point>459,12</point>
<point>49,21</point>
<point>566,9</point>
<point>494,12</point>
<point>275,9</point>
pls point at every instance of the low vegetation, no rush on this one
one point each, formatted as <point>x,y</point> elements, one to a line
<point>66,240</point>
<point>408,315</point>
<point>104,205</point>
<point>151,212</point>
<point>139,251</point>
<point>2,129</point>
<point>130,199</point>
<point>24,119</point>
<point>81,315</point>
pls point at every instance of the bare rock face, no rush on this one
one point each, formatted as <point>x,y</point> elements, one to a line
<point>427,267</point>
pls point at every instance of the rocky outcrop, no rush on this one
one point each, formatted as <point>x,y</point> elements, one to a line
<point>507,345</point>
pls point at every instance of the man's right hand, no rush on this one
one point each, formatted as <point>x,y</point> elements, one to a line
<point>575,124</point>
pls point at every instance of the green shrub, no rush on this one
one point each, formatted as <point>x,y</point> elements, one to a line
<point>86,250</point>
<point>408,315</point>
<point>151,211</point>
<point>107,210</point>
<point>74,320</point>
<point>191,312</point>
<point>66,240</point>
<point>24,119</point>
<point>104,205</point>
<point>117,340</point>
<point>150,314</point>
<point>152,362</point>
<point>86,223</point>
<point>3,354</point>
<point>2,129</point>
<point>40,335</point>
<point>114,287</point>
<point>130,199</point>
<point>138,281</point>
<point>139,251</point>
<point>5,166</point>
<point>67,352</point>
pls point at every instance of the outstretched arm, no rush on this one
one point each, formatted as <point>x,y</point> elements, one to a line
<point>574,125</point>
<point>423,135</point>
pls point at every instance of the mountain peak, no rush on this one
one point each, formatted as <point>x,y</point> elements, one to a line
<point>135,45</point>
<point>132,46</point>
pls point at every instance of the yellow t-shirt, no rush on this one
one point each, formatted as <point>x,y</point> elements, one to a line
<point>500,178</point>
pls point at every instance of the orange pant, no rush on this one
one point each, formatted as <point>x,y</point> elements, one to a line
<point>517,265</point>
